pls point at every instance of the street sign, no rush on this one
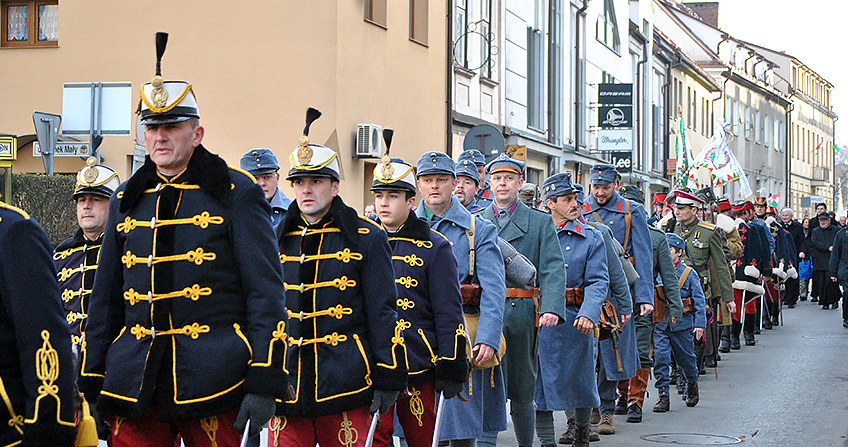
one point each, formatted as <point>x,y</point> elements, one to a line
<point>47,131</point>
<point>623,160</point>
<point>670,166</point>
<point>8,148</point>
<point>486,138</point>
<point>104,107</point>
<point>615,116</point>
<point>615,94</point>
<point>811,201</point>
<point>65,149</point>
<point>615,140</point>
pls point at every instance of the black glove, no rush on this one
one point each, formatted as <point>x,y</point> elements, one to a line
<point>259,409</point>
<point>383,400</point>
<point>448,387</point>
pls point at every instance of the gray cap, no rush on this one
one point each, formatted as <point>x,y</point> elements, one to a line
<point>474,156</point>
<point>434,162</point>
<point>603,174</point>
<point>558,185</point>
<point>467,168</point>
<point>259,161</point>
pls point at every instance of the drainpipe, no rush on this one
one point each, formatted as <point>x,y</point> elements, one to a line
<point>578,77</point>
<point>669,112</point>
<point>640,67</point>
<point>833,168</point>
<point>449,81</point>
<point>788,149</point>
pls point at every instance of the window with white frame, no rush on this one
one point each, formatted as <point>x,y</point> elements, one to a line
<point>757,127</point>
<point>766,127</point>
<point>606,28</point>
<point>461,41</point>
<point>535,78</point>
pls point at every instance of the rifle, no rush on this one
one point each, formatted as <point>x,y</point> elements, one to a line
<point>610,328</point>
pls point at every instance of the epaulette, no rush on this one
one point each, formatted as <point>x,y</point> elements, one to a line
<point>15,209</point>
<point>706,225</point>
<point>239,170</point>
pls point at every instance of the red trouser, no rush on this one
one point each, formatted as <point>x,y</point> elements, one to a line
<point>750,308</point>
<point>346,429</point>
<point>416,414</point>
<point>149,431</point>
<point>771,291</point>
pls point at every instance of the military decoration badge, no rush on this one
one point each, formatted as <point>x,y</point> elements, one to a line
<point>387,170</point>
<point>91,173</point>
<point>159,94</point>
<point>304,152</point>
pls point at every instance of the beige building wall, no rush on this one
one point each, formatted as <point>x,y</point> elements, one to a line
<point>255,68</point>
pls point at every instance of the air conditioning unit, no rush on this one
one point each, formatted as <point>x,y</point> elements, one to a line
<point>369,140</point>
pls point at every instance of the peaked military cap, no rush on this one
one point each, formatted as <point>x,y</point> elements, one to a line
<point>683,199</point>
<point>474,156</point>
<point>503,163</point>
<point>467,168</point>
<point>603,174</point>
<point>96,179</point>
<point>165,102</point>
<point>706,194</point>
<point>393,173</point>
<point>557,185</point>
<point>761,201</point>
<point>259,161</point>
<point>724,204</point>
<point>434,162</point>
<point>739,205</point>
<point>675,241</point>
<point>633,193</point>
<point>313,160</point>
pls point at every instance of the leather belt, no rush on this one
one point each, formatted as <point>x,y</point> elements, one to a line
<point>574,296</point>
<point>514,292</point>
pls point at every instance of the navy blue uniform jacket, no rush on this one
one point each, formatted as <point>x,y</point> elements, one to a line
<point>187,312</point>
<point>345,339</point>
<point>76,263</point>
<point>36,364</point>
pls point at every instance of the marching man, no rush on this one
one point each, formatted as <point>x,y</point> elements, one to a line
<point>428,304</point>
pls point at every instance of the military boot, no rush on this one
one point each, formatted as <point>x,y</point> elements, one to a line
<point>621,403</point>
<point>638,385</point>
<point>581,437</point>
<point>735,330</point>
<point>662,405</point>
<point>680,383</point>
<point>692,396</point>
<point>567,437</point>
<point>606,427</point>
<point>724,345</point>
<point>595,417</point>
<point>748,329</point>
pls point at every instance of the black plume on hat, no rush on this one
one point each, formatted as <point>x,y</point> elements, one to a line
<point>311,115</point>
<point>387,137</point>
<point>161,42</point>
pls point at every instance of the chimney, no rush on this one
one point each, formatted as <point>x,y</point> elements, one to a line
<point>708,11</point>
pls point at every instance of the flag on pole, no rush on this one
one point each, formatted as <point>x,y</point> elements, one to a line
<point>684,175</point>
<point>722,164</point>
<point>773,200</point>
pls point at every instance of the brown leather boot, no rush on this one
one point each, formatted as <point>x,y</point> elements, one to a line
<point>662,405</point>
<point>567,436</point>
<point>623,391</point>
<point>692,396</point>
<point>606,427</point>
<point>638,385</point>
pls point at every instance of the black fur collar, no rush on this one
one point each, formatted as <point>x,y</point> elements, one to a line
<point>205,169</point>
<point>344,217</point>
<point>414,228</point>
<point>77,240</point>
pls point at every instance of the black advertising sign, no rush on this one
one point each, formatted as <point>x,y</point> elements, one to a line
<point>615,116</point>
<point>623,161</point>
<point>610,94</point>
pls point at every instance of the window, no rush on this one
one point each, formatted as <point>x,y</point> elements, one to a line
<point>418,20</point>
<point>488,68</point>
<point>689,107</point>
<point>606,28</point>
<point>375,12</point>
<point>735,118</point>
<point>778,135</point>
<point>535,100</point>
<point>556,79</point>
<point>30,23</point>
<point>748,125</point>
<point>461,42</point>
<point>766,133</point>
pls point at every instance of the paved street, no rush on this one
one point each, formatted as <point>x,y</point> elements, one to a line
<point>791,389</point>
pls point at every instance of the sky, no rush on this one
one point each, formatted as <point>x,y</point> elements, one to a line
<point>814,31</point>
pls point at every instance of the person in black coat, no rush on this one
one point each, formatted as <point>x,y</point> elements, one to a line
<point>838,269</point>
<point>821,245</point>
<point>37,368</point>
<point>796,231</point>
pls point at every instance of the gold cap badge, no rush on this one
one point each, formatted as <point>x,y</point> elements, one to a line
<point>91,173</point>
<point>387,169</point>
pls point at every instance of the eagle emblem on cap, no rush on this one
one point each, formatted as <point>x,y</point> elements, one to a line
<point>304,152</point>
<point>91,173</point>
<point>159,94</point>
<point>387,170</point>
